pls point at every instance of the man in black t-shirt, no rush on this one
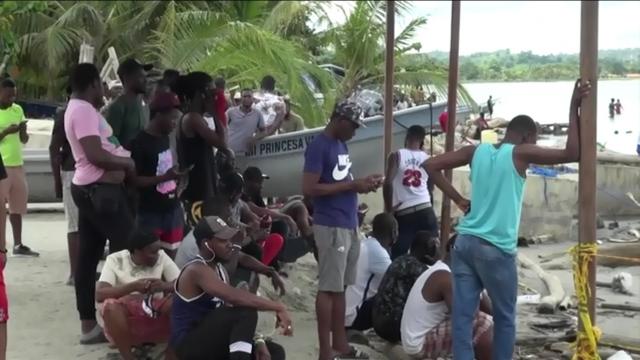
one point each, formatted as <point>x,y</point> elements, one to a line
<point>158,207</point>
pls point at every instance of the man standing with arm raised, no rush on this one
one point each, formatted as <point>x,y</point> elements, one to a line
<point>328,181</point>
<point>484,255</point>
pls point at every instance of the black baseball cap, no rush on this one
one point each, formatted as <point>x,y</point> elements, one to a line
<point>348,110</point>
<point>131,65</point>
<point>232,182</point>
<point>253,173</point>
<point>213,227</point>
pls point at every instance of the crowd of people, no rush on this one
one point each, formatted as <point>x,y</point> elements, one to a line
<point>154,180</point>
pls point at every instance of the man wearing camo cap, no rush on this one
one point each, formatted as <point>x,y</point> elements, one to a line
<point>329,182</point>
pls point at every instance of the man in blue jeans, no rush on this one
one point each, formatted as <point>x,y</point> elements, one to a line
<point>484,255</point>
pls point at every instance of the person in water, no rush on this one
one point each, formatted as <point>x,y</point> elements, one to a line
<point>618,107</point>
<point>484,255</point>
<point>210,317</point>
<point>612,106</point>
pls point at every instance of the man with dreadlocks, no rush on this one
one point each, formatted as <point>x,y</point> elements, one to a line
<point>195,139</point>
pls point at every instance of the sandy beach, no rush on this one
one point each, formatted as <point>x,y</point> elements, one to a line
<point>43,321</point>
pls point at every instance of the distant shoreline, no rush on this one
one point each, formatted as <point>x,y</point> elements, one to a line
<point>541,80</point>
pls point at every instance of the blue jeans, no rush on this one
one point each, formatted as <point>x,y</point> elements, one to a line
<point>478,265</point>
<point>409,225</point>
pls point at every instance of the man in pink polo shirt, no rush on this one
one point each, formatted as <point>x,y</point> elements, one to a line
<point>97,189</point>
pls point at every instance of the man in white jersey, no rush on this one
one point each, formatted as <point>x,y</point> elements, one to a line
<point>426,329</point>
<point>407,191</point>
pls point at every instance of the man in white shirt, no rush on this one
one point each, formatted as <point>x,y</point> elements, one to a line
<point>425,328</point>
<point>407,191</point>
<point>269,101</point>
<point>372,264</point>
<point>134,294</point>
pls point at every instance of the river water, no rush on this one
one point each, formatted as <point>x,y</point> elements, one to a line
<point>548,102</point>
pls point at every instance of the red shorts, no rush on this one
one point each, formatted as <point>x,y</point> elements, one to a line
<point>143,328</point>
<point>4,302</point>
<point>168,226</point>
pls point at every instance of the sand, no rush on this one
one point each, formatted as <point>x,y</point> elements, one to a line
<point>43,321</point>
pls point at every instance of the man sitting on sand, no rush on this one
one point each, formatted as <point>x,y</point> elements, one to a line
<point>426,321</point>
<point>395,286</point>
<point>372,264</point>
<point>134,293</point>
<point>290,218</point>
<point>210,318</point>
<point>247,260</point>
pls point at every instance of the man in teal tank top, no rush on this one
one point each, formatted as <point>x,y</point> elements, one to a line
<point>484,255</point>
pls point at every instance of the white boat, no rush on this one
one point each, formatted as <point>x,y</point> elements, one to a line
<point>280,156</point>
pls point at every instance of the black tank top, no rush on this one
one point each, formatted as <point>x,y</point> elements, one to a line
<point>202,179</point>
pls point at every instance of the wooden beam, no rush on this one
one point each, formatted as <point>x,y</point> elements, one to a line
<point>388,80</point>
<point>445,219</point>
<point>588,128</point>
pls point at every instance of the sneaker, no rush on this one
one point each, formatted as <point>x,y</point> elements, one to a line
<point>24,250</point>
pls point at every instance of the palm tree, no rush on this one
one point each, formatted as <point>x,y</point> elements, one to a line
<point>358,46</point>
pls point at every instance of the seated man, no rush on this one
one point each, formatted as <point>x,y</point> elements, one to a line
<point>223,206</point>
<point>134,293</point>
<point>236,211</point>
<point>373,262</point>
<point>426,319</point>
<point>288,219</point>
<point>211,318</point>
<point>395,286</point>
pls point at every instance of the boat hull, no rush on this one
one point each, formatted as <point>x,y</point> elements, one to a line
<point>282,156</point>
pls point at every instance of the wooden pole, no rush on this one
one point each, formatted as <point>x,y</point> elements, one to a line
<point>445,219</point>
<point>388,80</point>
<point>588,118</point>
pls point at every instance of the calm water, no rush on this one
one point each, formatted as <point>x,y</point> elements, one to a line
<point>548,102</point>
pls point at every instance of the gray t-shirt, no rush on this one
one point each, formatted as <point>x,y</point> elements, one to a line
<point>242,127</point>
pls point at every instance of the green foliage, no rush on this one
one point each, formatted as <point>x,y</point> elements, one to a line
<point>502,65</point>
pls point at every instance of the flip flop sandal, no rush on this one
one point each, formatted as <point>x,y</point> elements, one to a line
<point>353,354</point>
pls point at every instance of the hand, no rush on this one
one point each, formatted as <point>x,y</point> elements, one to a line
<point>173,174</point>
<point>277,282</point>
<point>580,91</point>
<point>464,205</point>
<point>12,129</point>
<point>58,189</point>
<point>22,125</point>
<point>262,352</point>
<point>3,261</point>
<point>284,322</point>
<point>130,168</point>
<point>142,285</point>
<point>158,285</point>
<point>377,180</point>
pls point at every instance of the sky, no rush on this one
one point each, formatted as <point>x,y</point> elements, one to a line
<point>543,27</point>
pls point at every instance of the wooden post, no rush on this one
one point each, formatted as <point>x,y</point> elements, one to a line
<point>388,80</point>
<point>588,118</point>
<point>445,219</point>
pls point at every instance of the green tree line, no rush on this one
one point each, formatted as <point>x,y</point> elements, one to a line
<point>503,65</point>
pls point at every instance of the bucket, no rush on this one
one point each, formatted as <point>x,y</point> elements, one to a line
<point>488,137</point>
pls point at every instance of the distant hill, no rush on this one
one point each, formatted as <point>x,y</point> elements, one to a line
<point>503,65</point>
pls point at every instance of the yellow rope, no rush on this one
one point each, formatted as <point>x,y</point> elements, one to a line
<point>586,346</point>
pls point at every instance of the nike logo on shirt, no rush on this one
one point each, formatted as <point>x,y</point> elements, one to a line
<point>342,168</point>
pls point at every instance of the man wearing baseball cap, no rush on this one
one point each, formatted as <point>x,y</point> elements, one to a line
<point>158,207</point>
<point>328,181</point>
<point>128,114</point>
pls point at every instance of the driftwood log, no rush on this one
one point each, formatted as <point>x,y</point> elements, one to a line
<point>550,302</point>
